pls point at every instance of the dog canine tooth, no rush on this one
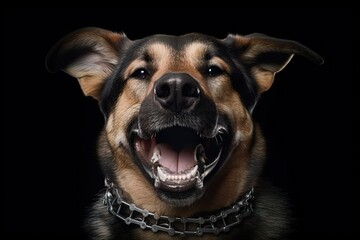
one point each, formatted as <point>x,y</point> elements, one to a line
<point>138,146</point>
<point>199,153</point>
<point>157,182</point>
<point>163,176</point>
<point>193,171</point>
<point>199,182</point>
<point>156,155</point>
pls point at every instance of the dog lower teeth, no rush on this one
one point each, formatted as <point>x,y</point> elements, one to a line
<point>157,182</point>
<point>199,182</point>
<point>163,177</point>
<point>181,177</point>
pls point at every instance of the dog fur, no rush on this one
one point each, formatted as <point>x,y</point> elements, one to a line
<point>137,82</point>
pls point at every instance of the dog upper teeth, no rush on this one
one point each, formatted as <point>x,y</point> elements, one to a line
<point>199,154</point>
<point>156,155</point>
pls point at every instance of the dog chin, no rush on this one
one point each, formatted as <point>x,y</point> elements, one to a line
<point>180,199</point>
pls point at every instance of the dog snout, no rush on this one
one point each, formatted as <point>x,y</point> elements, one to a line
<point>177,92</point>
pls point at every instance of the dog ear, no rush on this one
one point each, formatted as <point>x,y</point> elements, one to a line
<point>266,55</point>
<point>89,54</point>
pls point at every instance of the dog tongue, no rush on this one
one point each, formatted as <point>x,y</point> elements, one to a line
<point>176,161</point>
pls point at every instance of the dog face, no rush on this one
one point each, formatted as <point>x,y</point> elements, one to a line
<point>178,129</point>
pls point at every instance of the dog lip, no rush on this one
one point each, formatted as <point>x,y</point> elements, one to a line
<point>137,130</point>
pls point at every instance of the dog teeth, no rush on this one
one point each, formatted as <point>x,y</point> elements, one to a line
<point>156,155</point>
<point>157,182</point>
<point>163,176</point>
<point>199,154</point>
<point>199,182</point>
<point>193,171</point>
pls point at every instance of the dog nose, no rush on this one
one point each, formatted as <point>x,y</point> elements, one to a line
<point>177,91</point>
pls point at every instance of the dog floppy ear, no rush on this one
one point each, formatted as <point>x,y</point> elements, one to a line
<point>89,54</point>
<point>266,55</point>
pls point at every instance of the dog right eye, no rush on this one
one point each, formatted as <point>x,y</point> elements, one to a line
<point>214,71</point>
<point>140,73</point>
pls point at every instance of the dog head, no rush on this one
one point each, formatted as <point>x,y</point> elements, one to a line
<point>178,127</point>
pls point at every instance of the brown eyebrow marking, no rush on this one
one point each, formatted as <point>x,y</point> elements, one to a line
<point>217,61</point>
<point>159,54</point>
<point>137,63</point>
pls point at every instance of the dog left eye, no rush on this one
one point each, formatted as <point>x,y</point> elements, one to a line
<point>140,73</point>
<point>214,71</point>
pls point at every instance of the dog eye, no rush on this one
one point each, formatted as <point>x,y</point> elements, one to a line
<point>140,73</point>
<point>214,71</point>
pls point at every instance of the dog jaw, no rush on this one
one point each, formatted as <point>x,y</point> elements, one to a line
<point>178,159</point>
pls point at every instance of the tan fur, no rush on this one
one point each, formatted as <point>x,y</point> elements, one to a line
<point>220,191</point>
<point>92,70</point>
<point>127,106</point>
<point>94,56</point>
<point>229,183</point>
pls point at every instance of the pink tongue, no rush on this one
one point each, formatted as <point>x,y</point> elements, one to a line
<point>176,161</point>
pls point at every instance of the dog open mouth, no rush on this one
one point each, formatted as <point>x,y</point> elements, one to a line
<point>179,158</point>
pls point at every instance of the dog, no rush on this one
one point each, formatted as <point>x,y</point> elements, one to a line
<point>180,151</point>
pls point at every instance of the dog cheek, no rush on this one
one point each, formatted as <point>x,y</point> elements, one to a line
<point>217,87</point>
<point>245,128</point>
<point>115,134</point>
<point>232,107</point>
<point>125,110</point>
<point>118,122</point>
<point>242,122</point>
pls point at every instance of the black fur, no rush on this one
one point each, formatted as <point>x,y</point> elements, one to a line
<point>271,219</point>
<point>250,71</point>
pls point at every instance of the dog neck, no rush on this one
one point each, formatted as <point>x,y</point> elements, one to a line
<point>214,223</point>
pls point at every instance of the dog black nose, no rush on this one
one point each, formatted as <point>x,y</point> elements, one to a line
<point>177,91</point>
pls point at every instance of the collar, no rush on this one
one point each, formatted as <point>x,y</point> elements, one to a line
<point>219,221</point>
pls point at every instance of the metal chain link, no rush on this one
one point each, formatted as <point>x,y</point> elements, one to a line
<point>215,224</point>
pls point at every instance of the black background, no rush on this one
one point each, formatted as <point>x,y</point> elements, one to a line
<point>51,175</point>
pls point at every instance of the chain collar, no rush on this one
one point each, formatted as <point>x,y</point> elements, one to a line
<point>218,222</point>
